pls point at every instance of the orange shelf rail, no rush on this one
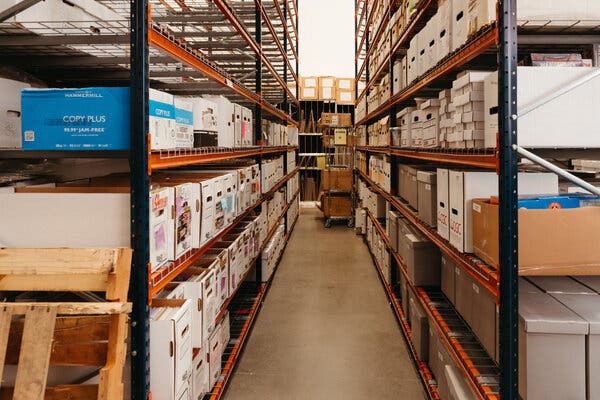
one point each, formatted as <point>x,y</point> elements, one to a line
<point>475,157</point>
<point>182,157</point>
<point>484,40</point>
<point>366,29</point>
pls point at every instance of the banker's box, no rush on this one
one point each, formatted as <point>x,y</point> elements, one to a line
<point>10,113</point>
<point>75,119</point>
<point>170,348</point>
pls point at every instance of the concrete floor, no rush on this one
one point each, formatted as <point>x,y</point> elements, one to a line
<point>326,330</point>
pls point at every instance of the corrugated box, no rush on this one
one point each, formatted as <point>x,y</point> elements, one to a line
<point>336,206</point>
<point>335,119</point>
<point>427,197</point>
<point>420,328</point>
<point>421,257</point>
<point>448,277</point>
<point>563,251</point>
<point>443,217</point>
<point>336,179</point>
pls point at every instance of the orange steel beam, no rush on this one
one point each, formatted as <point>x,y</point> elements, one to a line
<point>470,51</point>
<point>382,25</point>
<point>369,20</point>
<point>241,29</point>
<point>488,161</point>
<point>271,29</point>
<point>285,28</point>
<point>193,58</point>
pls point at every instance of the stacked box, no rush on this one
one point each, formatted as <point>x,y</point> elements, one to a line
<point>404,121</point>
<point>309,88</point>
<point>468,103</point>
<point>430,127</point>
<point>345,91</point>
<point>446,120</point>
<point>327,86</point>
<point>416,136</point>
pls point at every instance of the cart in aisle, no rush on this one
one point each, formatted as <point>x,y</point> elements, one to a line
<point>336,192</point>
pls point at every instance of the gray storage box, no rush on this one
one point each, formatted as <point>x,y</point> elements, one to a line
<point>427,197</point>
<point>478,308</point>
<point>593,282</point>
<point>420,328</point>
<point>392,227</point>
<point>527,287</point>
<point>422,259</point>
<point>551,349</point>
<point>560,284</point>
<point>588,308</point>
<point>412,188</point>
<point>448,278</point>
<point>457,385</point>
<point>483,318</point>
<point>439,358</point>
<point>404,296</point>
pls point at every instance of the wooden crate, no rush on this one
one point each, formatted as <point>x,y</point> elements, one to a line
<point>334,205</point>
<point>36,335</point>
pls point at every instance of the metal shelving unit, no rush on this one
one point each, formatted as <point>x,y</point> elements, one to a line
<point>495,46</point>
<point>245,50</point>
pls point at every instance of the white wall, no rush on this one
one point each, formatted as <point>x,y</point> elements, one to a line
<point>326,37</point>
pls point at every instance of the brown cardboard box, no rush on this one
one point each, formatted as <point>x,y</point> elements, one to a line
<point>336,179</point>
<point>327,81</point>
<point>422,258</point>
<point>345,97</point>
<point>327,88</point>
<point>448,278</point>
<point>309,88</point>
<point>336,119</point>
<point>336,206</point>
<point>420,328</point>
<point>551,241</point>
<point>344,84</point>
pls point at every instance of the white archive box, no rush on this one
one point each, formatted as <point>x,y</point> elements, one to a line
<point>215,353</point>
<point>444,37</point>
<point>433,26</point>
<point>404,120</point>
<point>162,126</point>
<point>170,348</point>
<point>247,127</point>
<point>205,115</point>
<point>412,56</point>
<point>225,120</point>
<point>201,373</point>
<point>62,15</point>
<point>191,291</point>
<point>184,122</point>
<point>187,203</point>
<point>443,217</point>
<point>218,259</point>
<point>460,23</point>
<point>237,125</point>
<point>567,111</point>
<point>397,82</point>
<point>557,13</point>
<point>10,113</point>
<point>423,46</point>
<point>61,217</point>
<point>464,186</point>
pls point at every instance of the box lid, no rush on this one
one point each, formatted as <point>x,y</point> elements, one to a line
<point>593,282</point>
<point>541,313</point>
<point>427,177</point>
<point>527,287</point>
<point>584,305</point>
<point>560,284</point>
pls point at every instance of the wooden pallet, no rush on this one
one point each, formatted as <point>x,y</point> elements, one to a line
<point>34,336</point>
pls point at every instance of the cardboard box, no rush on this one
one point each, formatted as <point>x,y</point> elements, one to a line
<point>247,127</point>
<point>309,93</point>
<point>336,179</point>
<point>448,278</point>
<point>345,84</point>
<point>10,113</point>
<point>559,285</point>
<point>335,119</point>
<point>225,120</point>
<point>215,353</point>
<point>392,229</point>
<point>466,186</point>
<point>327,93</point>
<point>412,63</point>
<point>336,206</point>
<point>552,356</point>
<point>443,203</point>
<point>593,282</point>
<point>309,81</point>
<point>420,329</point>
<point>345,97</point>
<point>201,378</point>
<point>327,82</point>
<point>184,122</point>
<point>565,251</point>
<point>404,295</point>
<point>87,119</point>
<point>427,197</point>
<point>170,349</point>
<point>444,29</point>
<point>460,23</point>
<point>421,257</point>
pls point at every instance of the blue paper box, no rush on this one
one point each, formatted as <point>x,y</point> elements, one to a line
<point>562,201</point>
<point>95,118</point>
